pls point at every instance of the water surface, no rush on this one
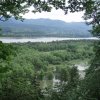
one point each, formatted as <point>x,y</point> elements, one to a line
<point>40,39</point>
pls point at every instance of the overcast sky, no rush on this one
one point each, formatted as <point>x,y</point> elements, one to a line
<point>56,14</point>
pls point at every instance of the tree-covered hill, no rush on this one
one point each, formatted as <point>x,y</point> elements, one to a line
<point>32,67</point>
<point>44,27</point>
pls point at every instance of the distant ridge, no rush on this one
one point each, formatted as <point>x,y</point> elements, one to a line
<point>44,27</point>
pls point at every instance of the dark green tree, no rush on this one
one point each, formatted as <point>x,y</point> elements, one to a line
<point>6,53</point>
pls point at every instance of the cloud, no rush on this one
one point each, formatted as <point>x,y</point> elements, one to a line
<point>56,15</point>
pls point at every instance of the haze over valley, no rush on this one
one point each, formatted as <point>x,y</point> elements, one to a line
<point>44,28</point>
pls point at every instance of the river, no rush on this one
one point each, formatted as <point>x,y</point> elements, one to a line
<point>40,39</point>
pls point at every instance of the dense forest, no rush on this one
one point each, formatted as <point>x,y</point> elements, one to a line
<point>43,70</point>
<point>51,71</point>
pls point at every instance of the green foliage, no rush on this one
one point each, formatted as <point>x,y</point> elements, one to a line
<point>6,53</point>
<point>49,75</point>
<point>92,79</point>
<point>66,89</point>
<point>35,66</point>
<point>19,85</point>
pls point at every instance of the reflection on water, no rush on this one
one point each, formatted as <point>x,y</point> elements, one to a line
<point>46,83</point>
<point>51,83</point>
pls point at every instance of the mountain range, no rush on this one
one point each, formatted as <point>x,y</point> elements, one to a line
<point>44,27</point>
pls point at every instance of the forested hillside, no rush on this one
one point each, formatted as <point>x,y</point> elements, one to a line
<point>44,27</point>
<point>41,70</point>
<point>65,70</point>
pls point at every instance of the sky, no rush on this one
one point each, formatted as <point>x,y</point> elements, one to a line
<point>56,15</point>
